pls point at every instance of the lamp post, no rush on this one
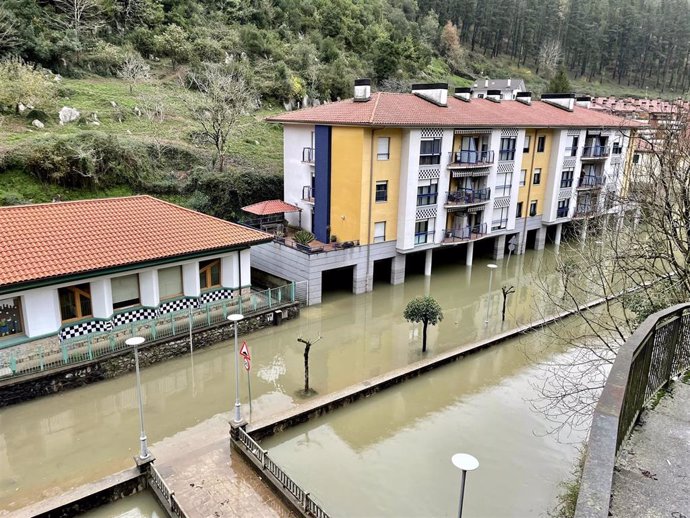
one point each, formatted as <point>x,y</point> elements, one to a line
<point>464,462</point>
<point>235,318</point>
<point>491,268</point>
<point>135,342</point>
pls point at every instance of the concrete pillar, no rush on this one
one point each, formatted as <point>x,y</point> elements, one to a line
<point>41,311</point>
<point>190,279</point>
<point>470,253</point>
<point>245,268</point>
<point>230,271</point>
<point>559,231</point>
<point>428,261</point>
<point>148,289</point>
<point>521,243</point>
<point>398,269</point>
<point>102,298</point>
<point>362,280</point>
<point>314,285</point>
<point>583,231</point>
<point>499,247</point>
<point>540,240</point>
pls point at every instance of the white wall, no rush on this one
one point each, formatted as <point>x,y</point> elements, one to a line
<point>148,288</point>
<point>190,279</point>
<point>407,202</point>
<point>101,297</point>
<point>297,174</point>
<point>41,311</point>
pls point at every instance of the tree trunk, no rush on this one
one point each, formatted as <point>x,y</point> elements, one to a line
<point>424,337</point>
<point>306,366</point>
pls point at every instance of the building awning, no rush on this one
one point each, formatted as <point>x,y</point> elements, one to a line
<point>266,208</point>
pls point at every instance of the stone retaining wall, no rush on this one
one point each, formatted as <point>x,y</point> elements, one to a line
<point>25,388</point>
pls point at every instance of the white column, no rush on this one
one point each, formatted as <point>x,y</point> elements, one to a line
<point>470,253</point>
<point>101,298</point>
<point>499,247</point>
<point>559,231</point>
<point>540,240</point>
<point>398,269</point>
<point>230,271</point>
<point>41,310</point>
<point>148,288</point>
<point>190,279</point>
<point>428,261</point>
<point>245,268</point>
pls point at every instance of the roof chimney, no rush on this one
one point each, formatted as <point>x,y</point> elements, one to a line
<point>563,101</point>
<point>362,90</point>
<point>508,83</point>
<point>493,95</point>
<point>584,101</point>
<point>524,97</point>
<point>486,83</point>
<point>436,93</point>
<point>463,93</point>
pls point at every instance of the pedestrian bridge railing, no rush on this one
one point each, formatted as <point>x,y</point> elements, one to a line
<point>656,352</point>
<point>278,478</point>
<point>164,494</point>
<point>24,359</point>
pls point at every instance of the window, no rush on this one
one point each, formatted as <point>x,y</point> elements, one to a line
<point>379,232</point>
<point>616,149</point>
<point>504,183</point>
<point>567,178</point>
<point>422,230</point>
<point>75,302</point>
<point>525,147</point>
<point>384,148</point>
<point>382,191</point>
<point>507,149</point>
<point>500,219</point>
<point>430,151</point>
<point>541,143</point>
<point>10,317</point>
<point>533,208</point>
<point>125,291</point>
<point>636,158</point>
<point>536,176</point>
<point>563,206</point>
<point>518,210</point>
<point>427,194</point>
<point>523,177</point>
<point>170,282</point>
<point>209,273</point>
<point>572,149</point>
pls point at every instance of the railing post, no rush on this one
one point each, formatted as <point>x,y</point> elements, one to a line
<point>65,356</point>
<point>292,291</point>
<point>172,323</point>
<point>208,314</point>
<point>13,363</point>
<point>269,298</point>
<point>89,341</point>
<point>43,360</point>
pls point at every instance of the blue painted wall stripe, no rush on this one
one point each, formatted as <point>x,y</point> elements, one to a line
<point>322,182</point>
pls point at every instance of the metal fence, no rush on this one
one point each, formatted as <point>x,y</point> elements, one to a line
<point>278,477</point>
<point>658,351</point>
<point>22,360</point>
<point>165,495</point>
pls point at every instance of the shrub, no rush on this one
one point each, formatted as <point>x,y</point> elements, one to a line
<point>304,237</point>
<point>105,59</point>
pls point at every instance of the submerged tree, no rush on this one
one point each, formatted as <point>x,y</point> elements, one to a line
<point>425,310</point>
<point>307,347</point>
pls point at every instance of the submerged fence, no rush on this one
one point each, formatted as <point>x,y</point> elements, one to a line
<point>277,477</point>
<point>658,351</point>
<point>164,494</point>
<point>25,359</point>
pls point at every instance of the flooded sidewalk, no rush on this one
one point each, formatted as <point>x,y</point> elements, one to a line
<point>652,474</point>
<point>209,480</point>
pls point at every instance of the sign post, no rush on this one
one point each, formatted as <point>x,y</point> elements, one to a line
<point>247,360</point>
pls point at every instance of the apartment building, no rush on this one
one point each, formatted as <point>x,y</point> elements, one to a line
<point>394,174</point>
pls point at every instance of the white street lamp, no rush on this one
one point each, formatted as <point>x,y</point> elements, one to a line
<point>135,342</point>
<point>464,462</point>
<point>491,268</point>
<point>235,318</point>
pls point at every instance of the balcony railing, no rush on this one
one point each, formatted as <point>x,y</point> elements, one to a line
<point>308,155</point>
<point>468,196</point>
<point>421,238</point>
<point>427,199</point>
<point>583,211</point>
<point>562,212</point>
<point>467,233</point>
<point>590,181</point>
<point>499,224</point>
<point>571,151</point>
<point>596,152</point>
<point>308,193</point>
<point>467,158</point>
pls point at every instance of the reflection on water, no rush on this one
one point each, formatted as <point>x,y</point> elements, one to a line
<point>141,505</point>
<point>58,442</point>
<point>389,455</point>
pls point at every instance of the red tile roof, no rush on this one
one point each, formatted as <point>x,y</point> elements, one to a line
<point>265,208</point>
<point>639,106</point>
<point>409,110</point>
<point>56,239</point>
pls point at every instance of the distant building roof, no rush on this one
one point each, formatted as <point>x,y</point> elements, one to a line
<point>266,208</point>
<point>499,84</point>
<point>408,110</point>
<point>57,239</point>
<point>639,106</point>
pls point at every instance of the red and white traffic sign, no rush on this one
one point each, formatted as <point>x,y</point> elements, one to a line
<point>244,351</point>
<point>247,364</point>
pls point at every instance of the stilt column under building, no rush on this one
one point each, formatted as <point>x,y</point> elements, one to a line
<point>428,261</point>
<point>540,240</point>
<point>398,269</point>
<point>559,232</point>
<point>470,253</point>
<point>499,247</point>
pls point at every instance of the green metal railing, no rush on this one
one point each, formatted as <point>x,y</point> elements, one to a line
<point>15,361</point>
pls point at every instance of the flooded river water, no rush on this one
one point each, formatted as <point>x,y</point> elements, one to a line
<point>58,442</point>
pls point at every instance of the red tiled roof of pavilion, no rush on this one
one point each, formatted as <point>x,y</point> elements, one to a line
<point>408,110</point>
<point>266,208</point>
<point>56,239</point>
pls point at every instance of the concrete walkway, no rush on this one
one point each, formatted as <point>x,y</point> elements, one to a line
<point>211,482</point>
<point>652,477</point>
